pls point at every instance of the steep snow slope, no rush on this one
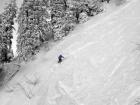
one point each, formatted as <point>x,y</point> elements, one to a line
<point>101,66</point>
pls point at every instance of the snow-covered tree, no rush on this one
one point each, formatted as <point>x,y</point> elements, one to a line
<point>6,30</point>
<point>90,7</point>
<point>39,19</point>
<point>62,18</point>
<point>34,28</point>
<point>57,13</point>
<point>83,17</point>
<point>66,13</point>
<point>93,7</point>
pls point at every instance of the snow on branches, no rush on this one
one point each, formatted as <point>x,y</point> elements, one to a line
<point>6,30</point>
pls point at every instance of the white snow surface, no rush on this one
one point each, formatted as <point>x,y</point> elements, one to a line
<point>101,66</point>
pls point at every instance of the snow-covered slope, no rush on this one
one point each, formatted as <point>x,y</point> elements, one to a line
<point>101,66</point>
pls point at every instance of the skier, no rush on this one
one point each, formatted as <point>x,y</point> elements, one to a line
<point>60,58</point>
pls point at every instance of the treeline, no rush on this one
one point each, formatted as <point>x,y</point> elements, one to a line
<point>6,29</point>
<point>40,21</point>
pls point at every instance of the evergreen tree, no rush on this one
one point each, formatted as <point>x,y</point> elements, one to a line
<point>69,20</point>
<point>39,19</point>
<point>94,7</point>
<point>83,17</point>
<point>6,30</point>
<point>34,28</point>
<point>90,7</point>
<point>57,13</point>
<point>62,18</point>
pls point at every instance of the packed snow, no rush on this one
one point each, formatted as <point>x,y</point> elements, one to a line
<point>101,66</point>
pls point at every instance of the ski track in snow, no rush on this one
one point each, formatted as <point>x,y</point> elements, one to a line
<point>117,66</point>
<point>83,47</point>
